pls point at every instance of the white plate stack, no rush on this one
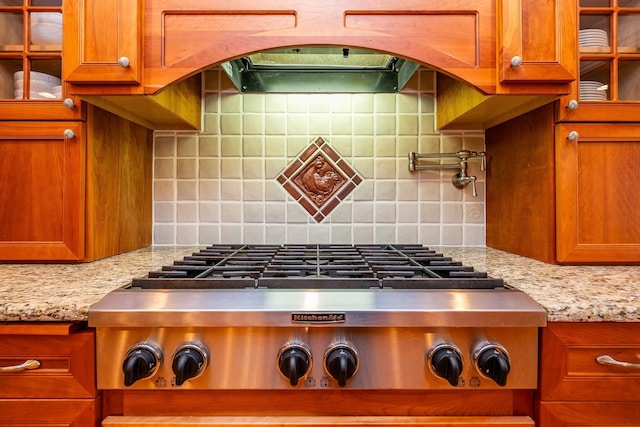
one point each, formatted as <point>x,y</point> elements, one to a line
<point>46,28</point>
<point>594,37</point>
<point>41,85</point>
<point>592,90</point>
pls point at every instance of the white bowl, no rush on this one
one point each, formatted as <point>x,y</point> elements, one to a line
<point>45,33</point>
<point>35,85</point>
<point>49,17</point>
<point>35,75</point>
<point>34,95</point>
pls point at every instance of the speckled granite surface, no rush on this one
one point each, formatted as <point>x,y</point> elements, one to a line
<point>39,292</point>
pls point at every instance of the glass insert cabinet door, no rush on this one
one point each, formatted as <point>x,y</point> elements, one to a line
<point>609,53</point>
<point>30,49</point>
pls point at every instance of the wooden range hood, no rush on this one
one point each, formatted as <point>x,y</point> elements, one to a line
<point>470,43</point>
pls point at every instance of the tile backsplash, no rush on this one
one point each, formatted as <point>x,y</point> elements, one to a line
<point>220,185</point>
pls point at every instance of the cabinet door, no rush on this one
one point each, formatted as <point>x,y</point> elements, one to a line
<point>598,199</point>
<point>42,191</point>
<point>539,37</point>
<point>102,41</point>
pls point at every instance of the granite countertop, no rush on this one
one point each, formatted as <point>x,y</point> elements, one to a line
<point>64,292</point>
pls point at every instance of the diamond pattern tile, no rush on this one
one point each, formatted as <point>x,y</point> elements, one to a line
<point>319,179</point>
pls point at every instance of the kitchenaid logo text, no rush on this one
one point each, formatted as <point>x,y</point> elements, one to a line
<point>319,317</point>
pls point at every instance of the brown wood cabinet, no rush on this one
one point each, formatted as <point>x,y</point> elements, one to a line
<point>536,42</point>
<point>42,175</point>
<point>59,388</point>
<point>562,193</point>
<point>77,197</point>
<point>103,41</point>
<point>575,389</point>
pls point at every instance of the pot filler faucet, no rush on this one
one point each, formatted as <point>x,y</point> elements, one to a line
<point>459,180</point>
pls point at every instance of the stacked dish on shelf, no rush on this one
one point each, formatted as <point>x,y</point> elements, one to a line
<point>41,85</point>
<point>592,90</point>
<point>46,28</point>
<point>594,37</point>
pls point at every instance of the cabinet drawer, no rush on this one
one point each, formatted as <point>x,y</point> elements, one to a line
<point>66,368</point>
<point>570,369</point>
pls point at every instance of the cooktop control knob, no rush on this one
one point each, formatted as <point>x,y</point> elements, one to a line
<point>189,361</point>
<point>294,362</point>
<point>445,361</point>
<point>341,362</point>
<point>142,361</point>
<point>492,361</point>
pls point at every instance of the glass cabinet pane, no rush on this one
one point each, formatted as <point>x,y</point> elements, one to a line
<point>628,78</point>
<point>595,3</point>
<point>11,35</point>
<point>595,33</point>
<point>46,31</point>
<point>46,3</point>
<point>8,67</point>
<point>629,3</point>
<point>629,33</point>
<point>10,3</point>
<point>594,80</point>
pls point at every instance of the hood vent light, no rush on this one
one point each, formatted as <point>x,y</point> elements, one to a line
<point>319,70</point>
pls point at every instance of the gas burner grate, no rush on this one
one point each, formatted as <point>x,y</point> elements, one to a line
<point>317,267</point>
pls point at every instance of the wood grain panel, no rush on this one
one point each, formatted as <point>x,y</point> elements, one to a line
<point>186,34</point>
<point>521,185</point>
<point>119,181</point>
<point>50,412</point>
<point>454,32</point>
<point>283,421</point>
<point>317,402</point>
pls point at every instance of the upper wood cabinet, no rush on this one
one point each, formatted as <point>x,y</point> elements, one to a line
<point>608,57</point>
<point>536,41</point>
<point>103,41</point>
<point>31,62</point>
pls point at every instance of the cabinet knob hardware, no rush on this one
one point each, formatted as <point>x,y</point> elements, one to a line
<point>610,361</point>
<point>572,105</point>
<point>68,102</point>
<point>124,62</point>
<point>68,134</point>
<point>573,136</point>
<point>28,364</point>
<point>516,61</point>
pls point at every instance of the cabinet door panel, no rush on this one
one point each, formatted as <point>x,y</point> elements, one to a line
<point>97,35</point>
<point>569,369</point>
<point>542,34</point>
<point>42,191</point>
<point>66,366</point>
<point>598,203</point>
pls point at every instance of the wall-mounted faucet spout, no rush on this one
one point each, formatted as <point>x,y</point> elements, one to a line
<point>459,180</point>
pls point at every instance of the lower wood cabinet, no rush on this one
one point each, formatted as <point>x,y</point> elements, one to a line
<point>47,375</point>
<point>564,193</point>
<point>578,390</point>
<point>74,191</point>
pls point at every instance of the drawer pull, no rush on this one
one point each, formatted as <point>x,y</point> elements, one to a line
<point>29,364</point>
<point>610,361</point>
